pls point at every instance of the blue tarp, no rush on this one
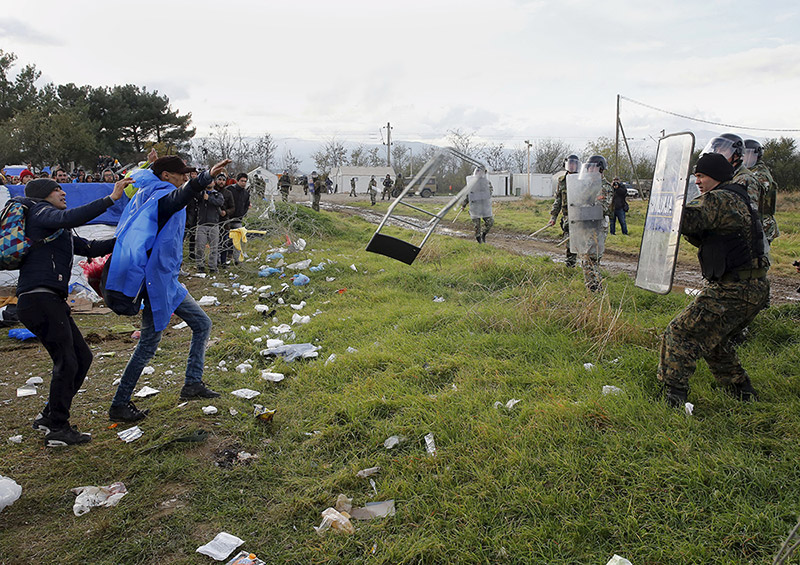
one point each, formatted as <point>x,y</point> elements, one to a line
<point>83,193</point>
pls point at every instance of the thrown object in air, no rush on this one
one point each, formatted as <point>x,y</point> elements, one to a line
<point>405,251</point>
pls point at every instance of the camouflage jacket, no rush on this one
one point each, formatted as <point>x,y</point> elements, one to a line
<point>560,203</point>
<point>744,176</point>
<point>718,212</point>
<point>769,190</point>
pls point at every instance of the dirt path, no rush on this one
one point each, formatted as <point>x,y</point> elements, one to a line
<point>687,275</point>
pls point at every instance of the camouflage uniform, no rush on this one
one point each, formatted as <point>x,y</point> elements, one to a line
<point>316,186</point>
<point>725,306</point>
<point>744,176</point>
<point>284,185</point>
<point>353,186</point>
<point>766,204</point>
<point>590,262</point>
<point>373,191</point>
<point>387,187</point>
<point>560,205</point>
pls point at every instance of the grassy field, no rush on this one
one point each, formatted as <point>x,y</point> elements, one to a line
<point>568,475</point>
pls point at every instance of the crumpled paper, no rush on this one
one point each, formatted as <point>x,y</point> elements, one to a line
<point>92,497</point>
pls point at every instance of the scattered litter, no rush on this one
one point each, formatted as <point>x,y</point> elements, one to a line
<point>298,306</point>
<point>430,445</point>
<point>330,279</point>
<point>116,382</point>
<point>245,393</point>
<point>243,367</point>
<point>10,492</point>
<point>221,546</point>
<point>610,389</point>
<point>274,342</point>
<point>169,372</point>
<point>615,360</point>
<point>112,426</point>
<point>691,292</point>
<point>331,358</point>
<point>393,441</point>
<point>298,319</point>
<point>107,354</point>
<point>269,271</point>
<point>245,558</point>
<point>209,410</point>
<point>182,404</point>
<point>15,439</point>
<point>281,301</point>
<point>331,518</point>
<point>282,329</point>
<point>27,390</point>
<point>131,434</point>
<point>233,411</point>
<point>341,291</point>
<point>199,275</point>
<point>353,266</point>
<point>374,486</point>
<point>262,413</point>
<point>343,503</point>
<point>298,245</point>
<point>208,301</point>
<point>92,497</point>
<point>34,381</point>
<point>373,510</point>
<point>438,298</point>
<point>262,308</point>
<point>148,370</point>
<point>300,280</point>
<point>271,377</point>
<point>513,402</point>
<point>317,268</point>
<point>588,366</point>
<point>617,560</point>
<point>180,326</point>
<point>218,285</point>
<point>689,408</point>
<point>300,265</point>
<point>21,334</point>
<point>146,391</point>
<point>364,473</point>
<point>243,456</point>
<point>254,329</point>
<point>292,351</point>
<point>276,255</point>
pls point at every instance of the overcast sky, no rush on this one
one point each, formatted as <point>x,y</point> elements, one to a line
<point>507,70</point>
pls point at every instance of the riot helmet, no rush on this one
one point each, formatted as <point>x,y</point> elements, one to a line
<point>572,164</point>
<point>730,145</point>
<point>753,152</point>
<point>598,162</point>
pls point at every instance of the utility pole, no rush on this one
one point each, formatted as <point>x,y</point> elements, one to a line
<point>616,144</point>
<point>388,144</point>
<point>528,143</point>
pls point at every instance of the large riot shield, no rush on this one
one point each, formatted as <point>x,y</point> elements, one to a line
<point>480,196</point>
<point>587,229</point>
<point>659,249</point>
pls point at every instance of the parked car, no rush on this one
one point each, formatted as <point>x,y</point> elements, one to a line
<point>428,190</point>
<point>629,188</point>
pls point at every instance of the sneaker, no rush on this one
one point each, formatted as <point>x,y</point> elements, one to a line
<point>743,391</point>
<point>675,397</point>
<point>126,413</point>
<point>68,435</point>
<point>42,423</point>
<point>197,390</point>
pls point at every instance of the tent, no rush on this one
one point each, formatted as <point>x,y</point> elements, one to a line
<point>262,182</point>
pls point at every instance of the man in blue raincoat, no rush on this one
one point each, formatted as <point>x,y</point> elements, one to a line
<point>145,263</point>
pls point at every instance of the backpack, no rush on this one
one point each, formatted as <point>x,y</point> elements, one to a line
<point>14,244</point>
<point>119,303</point>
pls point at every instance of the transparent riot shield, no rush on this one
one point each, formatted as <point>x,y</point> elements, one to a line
<point>480,195</point>
<point>659,250</point>
<point>407,251</point>
<point>587,230</point>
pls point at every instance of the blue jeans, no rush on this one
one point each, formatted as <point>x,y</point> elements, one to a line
<point>198,321</point>
<point>619,214</point>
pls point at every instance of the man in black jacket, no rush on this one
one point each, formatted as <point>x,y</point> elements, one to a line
<point>209,206</point>
<point>42,291</point>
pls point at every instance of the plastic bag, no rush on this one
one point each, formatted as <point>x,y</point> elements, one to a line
<point>10,492</point>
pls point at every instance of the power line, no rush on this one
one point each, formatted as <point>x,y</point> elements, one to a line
<point>732,126</point>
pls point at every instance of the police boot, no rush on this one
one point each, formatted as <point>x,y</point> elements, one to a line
<point>675,397</point>
<point>478,238</point>
<point>743,391</point>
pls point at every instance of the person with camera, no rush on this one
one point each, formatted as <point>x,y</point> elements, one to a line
<point>620,207</point>
<point>209,214</point>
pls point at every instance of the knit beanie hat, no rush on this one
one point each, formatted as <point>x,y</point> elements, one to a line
<point>41,188</point>
<point>715,166</point>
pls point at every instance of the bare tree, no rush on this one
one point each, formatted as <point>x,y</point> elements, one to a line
<point>401,158</point>
<point>333,154</point>
<point>375,157</point>
<point>518,160</point>
<point>359,156</point>
<point>262,152</point>
<point>496,157</point>
<point>224,143</point>
<point>289,162</point>
<point>547,155</point>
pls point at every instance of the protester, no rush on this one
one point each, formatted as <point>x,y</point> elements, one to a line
<point>209,207</point>
<point>60,176</point>
<point>620,207</point>
<point>147,258</point>
<point>726,228</point>
<point>109,176</point>
<point>42,290</point>
<point>25,176</point>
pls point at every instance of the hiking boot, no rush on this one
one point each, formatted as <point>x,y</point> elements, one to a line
<point>68,435</point>
<point>42,423</point>
<point>743,391</point>
<point>483,238</point>
<point>126,413</point>
<point>675,397</point>
<point>197,390</point>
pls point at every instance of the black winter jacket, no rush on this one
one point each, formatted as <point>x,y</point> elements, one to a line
<point>50,264</point>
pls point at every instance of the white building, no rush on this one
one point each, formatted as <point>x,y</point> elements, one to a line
<point>542,185</point>
<point>341,176</point>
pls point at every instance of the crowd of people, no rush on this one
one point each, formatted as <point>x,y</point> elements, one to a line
<point>60,175</point>
<point>731,222</point>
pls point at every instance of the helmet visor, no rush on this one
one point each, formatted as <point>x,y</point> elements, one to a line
<point>572,165</point>
<point>719,145</point>
<point>750,157</point>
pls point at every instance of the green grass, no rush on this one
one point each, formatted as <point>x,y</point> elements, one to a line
<point>567,476</point>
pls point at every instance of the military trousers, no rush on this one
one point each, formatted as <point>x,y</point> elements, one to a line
<point>704,329</point>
